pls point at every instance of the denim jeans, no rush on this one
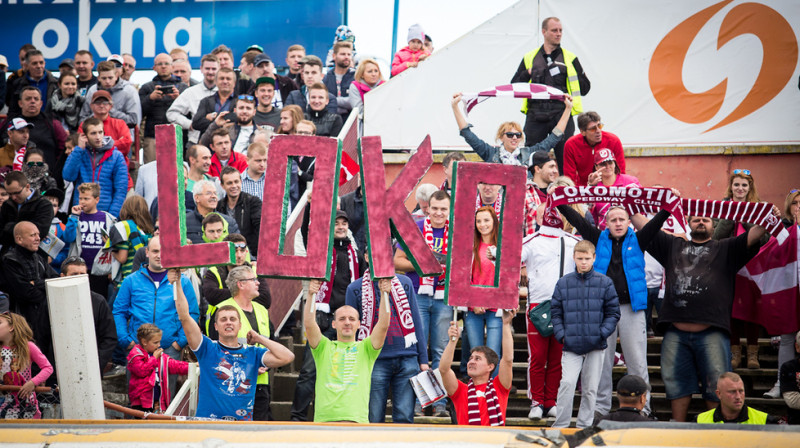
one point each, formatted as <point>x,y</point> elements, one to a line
<point>436,317</point>
<point>476,324</point>
<point>689,358</point>
<point>394,374</point>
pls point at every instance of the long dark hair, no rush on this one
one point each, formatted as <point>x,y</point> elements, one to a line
<point>476,244</point>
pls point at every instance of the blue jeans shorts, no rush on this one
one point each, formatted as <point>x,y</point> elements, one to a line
<point>692,362</point>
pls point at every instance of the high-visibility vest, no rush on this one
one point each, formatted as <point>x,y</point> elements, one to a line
<point>573,86</point>
<point>754,417</point>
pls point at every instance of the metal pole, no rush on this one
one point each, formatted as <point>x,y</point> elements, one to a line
<point>394,28</point>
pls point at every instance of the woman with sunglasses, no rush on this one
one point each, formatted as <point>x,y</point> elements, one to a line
<point>36,170</point>
<point>741,188</point>
<point>511,137</point>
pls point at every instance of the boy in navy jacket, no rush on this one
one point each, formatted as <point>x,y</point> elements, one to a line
<point>585,311</point>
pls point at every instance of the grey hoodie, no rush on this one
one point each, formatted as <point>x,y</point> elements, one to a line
<point>127,106</point>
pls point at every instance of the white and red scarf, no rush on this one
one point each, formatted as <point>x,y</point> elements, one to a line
<point>323,297</point>
<point>400,303</point>
<point>19,156</point>
<point>498,203</point>
<point>651,200</point>
<point>426,283</point>
<point>492,405</point>
<point>525,90</point>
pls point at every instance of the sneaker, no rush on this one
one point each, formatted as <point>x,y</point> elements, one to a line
<point>536,413</point>
<point>551,413</point>
<point>775,392</point>
<point>116,371</point>
<point>440,411</point>
<point>418,410</point>
<point>651,334</point>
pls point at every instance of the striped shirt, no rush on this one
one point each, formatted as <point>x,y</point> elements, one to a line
<point>254,187</point>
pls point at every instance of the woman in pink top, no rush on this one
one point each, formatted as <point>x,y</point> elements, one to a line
<point>607,173</point>
<point>17,351</point>
<point>484,326</point>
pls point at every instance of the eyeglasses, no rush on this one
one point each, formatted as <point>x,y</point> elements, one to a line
<point>155,229</point>
<point>745,172</point>
<point>514,134</point>
<point>160,64</point>
<point>247,97</point>
<point>117,65</point>
<point>14,193</point>
<point>597,127</point>
<point>254,279</point>
<point>34,163</point>
<point>242,246</point>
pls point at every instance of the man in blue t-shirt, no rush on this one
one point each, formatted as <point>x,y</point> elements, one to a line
<point>228,368</point>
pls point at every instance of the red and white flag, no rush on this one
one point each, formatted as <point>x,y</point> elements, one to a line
<point>767,291</point>
<point>516,90</point>
<point>348,170</point>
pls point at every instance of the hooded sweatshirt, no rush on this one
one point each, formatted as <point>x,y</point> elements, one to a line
<point>104,166</point>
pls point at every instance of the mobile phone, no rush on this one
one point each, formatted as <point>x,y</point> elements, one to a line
<point>230,116</point>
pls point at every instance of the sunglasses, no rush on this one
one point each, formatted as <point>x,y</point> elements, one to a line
<point>745,172</point>
<point>247,97</point>
<point>598,126</point>
<point>74,259</point>
<point>34,163</point>
<point>794,191</point>
<point>240,245</point>
<point>514,134</point>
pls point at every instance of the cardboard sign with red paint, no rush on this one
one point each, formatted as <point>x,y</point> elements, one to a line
<point>175,253</point>
<point>275,210</point>
<point>459,290</point>
<point>386,213</point>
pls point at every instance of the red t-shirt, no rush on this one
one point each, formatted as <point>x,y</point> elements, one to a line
<point>460,401</point>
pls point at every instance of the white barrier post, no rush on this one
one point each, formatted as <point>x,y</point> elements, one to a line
<point>75,345</point>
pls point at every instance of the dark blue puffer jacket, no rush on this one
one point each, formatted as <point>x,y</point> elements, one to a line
<point>585,310</point>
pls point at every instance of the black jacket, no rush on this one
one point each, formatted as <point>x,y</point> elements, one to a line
<point>194,226</point>
<point>105,330</point>
<point>37,210</point>
<point>247,214</point>
<point>206,106</point>
<point>155,111</point>
<point>353,204</point>
<point>14,89</point>
<point>328,124</point>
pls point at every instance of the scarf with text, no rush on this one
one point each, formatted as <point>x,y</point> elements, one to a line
<point>323,297</point>
<point>498,203</point>
<point>492,405</point>
<point>651,200</point>
<point>400,302</point>
<point>426,283</point>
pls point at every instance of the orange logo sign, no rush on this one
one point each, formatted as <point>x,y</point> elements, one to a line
<point>777,66</point>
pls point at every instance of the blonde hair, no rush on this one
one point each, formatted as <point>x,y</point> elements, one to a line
<point>362,67</point>
<point>21,336</point>
<point>507,127</point>
<point>584,246</point>
<point>787,207</point>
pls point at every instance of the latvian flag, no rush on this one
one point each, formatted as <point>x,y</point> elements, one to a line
<point>516,90</point>
<point>767,287</point>
<point>348,170</point>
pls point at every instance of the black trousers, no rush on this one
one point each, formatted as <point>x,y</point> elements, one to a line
<point>536,131</point>
<point>304,389</point>
<point>261,409</point>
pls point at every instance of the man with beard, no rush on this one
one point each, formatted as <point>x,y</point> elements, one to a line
<point>239,125</point>
<point>339,78</point>
<point>696,313</point>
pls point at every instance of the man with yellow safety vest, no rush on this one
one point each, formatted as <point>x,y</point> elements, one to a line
<point>553,66</point>
<point>731,408</point>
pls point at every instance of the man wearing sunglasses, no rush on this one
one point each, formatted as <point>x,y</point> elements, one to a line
<point>23,204</point>
<point>238,123</point>
<point>580,149</point>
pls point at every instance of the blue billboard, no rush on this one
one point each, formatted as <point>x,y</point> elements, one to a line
<point>145,28</point>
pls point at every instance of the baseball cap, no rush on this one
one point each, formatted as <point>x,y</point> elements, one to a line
<point>54,193</point>
<point>17,124</point>
<point>116,58</point>
<point>632,386</point>
<point>342,214</point>
<point>260,59</point>
<point>265,80</point>
<point>101,94</point>
<point>539,158</point>
<point>68,62</point>
<point>255,47</point>
<point>602,155</point>
<point>3,61</point>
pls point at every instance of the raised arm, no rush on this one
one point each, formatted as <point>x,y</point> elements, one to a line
<point>506,374</point>
<point>460,120</point>
<point>378,336</point>
<point>313,333</point>
<point>754,235</point>
<point>587,231</point>
<point>448,376</point>
<point>565,117</point>
<point>277,356</point>
<point>193,334</point>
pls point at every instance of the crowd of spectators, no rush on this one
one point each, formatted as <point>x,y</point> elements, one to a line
<point>78,195</point>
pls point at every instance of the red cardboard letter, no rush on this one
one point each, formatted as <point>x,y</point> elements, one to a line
<point>459,290</point>
<point>275,211</point>
<point>172,208</point>
<point>386,213</point>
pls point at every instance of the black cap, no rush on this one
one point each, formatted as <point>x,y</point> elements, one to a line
<point>632,386</point>
<point>342,214</point>
<point>538,158</point>
<point>54,193</point>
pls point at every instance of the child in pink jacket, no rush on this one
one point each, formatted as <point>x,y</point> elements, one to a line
<point>148,389</point>
<point>413,53</point>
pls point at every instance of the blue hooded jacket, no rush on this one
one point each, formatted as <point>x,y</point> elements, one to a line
<point>105,166</point>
